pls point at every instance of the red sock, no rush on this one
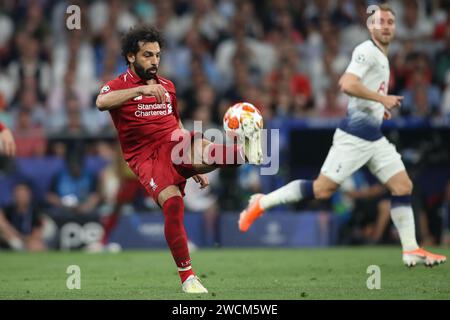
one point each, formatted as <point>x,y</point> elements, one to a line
<point>223,155</point>
<point>176,236</point>
<point>109,223</point>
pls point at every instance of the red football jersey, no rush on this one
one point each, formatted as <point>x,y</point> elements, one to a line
<point>142,123</point>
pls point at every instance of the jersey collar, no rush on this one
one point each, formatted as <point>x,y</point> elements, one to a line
<point>133,76</point>
<point>375,44</point>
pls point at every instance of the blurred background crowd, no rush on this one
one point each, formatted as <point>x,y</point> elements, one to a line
<point>283,56</point>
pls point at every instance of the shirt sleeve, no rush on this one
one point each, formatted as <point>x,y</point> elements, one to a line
<point>111,85</point>
<point>361,62</point>
<point>2,127</point>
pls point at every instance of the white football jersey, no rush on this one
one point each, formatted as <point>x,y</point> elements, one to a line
<point>364,117</point>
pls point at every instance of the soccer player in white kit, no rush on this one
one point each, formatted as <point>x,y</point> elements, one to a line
<point>359,141</point>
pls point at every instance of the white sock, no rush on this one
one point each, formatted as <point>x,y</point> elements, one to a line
<point>289,193</point>
<point>403,218</point>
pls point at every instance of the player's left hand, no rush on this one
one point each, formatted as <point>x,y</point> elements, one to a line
<point>202,179</point>
<point>387,114</point>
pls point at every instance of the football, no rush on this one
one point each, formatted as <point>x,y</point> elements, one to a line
<point>237,115</point>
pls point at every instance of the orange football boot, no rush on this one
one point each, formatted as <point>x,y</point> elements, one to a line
<point>251,213</point>
<point>420,255</point>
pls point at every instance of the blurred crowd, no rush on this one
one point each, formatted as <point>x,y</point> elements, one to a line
<point>284,56</point>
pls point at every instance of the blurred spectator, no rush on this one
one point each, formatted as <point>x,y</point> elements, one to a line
<point>28,101</point>
<point>119,187</point>
<point>326,57</point>
<point>400,68</point>
<point>284,25</point>
<point>206,105</point>
<point>230,45</point>
<point>30,137</point>
<point>74,189</point>
<point>414,26</point>
<point>443,60</point>
<point>260,97</point>
<point>56,100</point>
<point>357,32</point>
<point>76,53</point>
<point>290,88</point>
<point>193,56</point>
<point>204,18</point>
<point>316,10</point>
<point>108,55</point>
<point>110,16</point>
<point>29,70</point>
<point>21,225</point>
<point>442,15</point>
<point>286,76</point>
<point>241,80</point>
<point>445,106</point>
<point>421,99</point>
<point>259,56</point>
<point>34,22</point>
<point>205,201</point>
<point>363,214</point>
<point>333,105</point>
<point>342,14</point>
<point>283,104</point>
<point>74,121</point>
<point>6,32</point>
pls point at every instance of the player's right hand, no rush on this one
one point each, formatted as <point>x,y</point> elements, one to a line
<point>202,179</point>
<point>391,102</point>
<point>156,90</point>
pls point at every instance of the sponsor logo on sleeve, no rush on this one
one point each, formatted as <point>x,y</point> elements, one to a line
<point>105,89</point>
<point>360,58</point>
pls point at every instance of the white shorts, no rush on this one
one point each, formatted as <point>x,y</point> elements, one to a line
<point>349,153</point>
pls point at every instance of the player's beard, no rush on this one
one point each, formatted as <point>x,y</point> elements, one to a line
<point>145,74</point>
<point>385,40</point>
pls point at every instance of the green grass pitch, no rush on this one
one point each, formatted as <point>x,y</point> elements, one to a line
<point>294,274</point>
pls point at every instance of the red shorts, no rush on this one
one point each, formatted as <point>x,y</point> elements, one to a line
<point>158,171</point>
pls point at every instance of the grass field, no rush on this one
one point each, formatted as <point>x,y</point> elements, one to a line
<point>337,273</point>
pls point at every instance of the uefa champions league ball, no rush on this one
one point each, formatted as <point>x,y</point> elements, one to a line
<point>237,114</point>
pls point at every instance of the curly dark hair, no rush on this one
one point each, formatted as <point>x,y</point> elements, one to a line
<point>142,33</point>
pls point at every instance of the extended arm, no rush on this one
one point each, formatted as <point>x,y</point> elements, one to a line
<point>115,99</point>
<point>351,85</point>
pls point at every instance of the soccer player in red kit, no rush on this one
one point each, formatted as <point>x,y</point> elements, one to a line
<point>143,107</point>
<point>7,144</point>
